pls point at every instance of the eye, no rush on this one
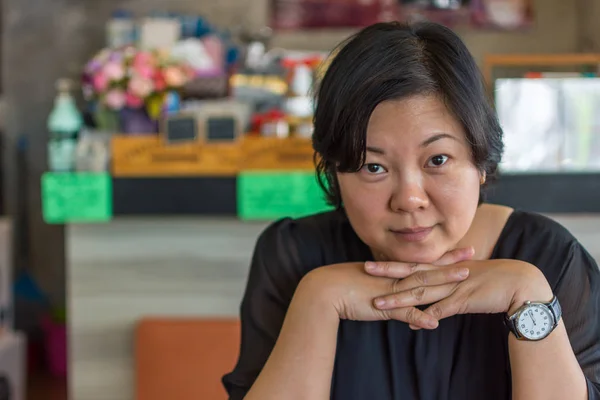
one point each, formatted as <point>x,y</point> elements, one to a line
<point>437,161</point>
<point>374,169</point>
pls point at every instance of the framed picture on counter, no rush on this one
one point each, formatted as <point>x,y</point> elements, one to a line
<point>447,12</point>
<point>502,14</point>
<point>479,14</point>
<point>207,121</point>
<point>322,14</point>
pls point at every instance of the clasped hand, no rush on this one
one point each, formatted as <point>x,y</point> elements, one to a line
<point>453,285</point>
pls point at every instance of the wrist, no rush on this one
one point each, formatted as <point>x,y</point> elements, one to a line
<point>312,293</point>
<point>534,287</point>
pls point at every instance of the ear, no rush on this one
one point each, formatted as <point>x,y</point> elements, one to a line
<point>483,177</point>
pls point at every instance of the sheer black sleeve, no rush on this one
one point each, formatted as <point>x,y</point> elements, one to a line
<point>578,291</point>
<point>281,258</point>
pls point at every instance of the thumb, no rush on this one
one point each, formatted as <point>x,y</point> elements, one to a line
<point>456,256</point>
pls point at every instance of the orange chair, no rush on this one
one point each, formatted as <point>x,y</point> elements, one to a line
<point>184,359</point>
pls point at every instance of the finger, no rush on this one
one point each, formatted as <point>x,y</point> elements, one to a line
<point>415,297</point>
<point>446,308</point>
<point>456,256</point>
<point>392,269</point>
<point>413,316</point>
<point>434,277</point>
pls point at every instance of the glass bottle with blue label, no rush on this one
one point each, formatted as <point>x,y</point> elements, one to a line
<point>64,123</point>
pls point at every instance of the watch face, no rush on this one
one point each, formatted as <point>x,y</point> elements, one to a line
<point>535,322</point>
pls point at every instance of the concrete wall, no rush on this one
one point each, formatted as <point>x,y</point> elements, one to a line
<point>588,17</point>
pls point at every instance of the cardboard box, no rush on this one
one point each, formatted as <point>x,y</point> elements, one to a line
<point>149,156</point>
<point>12,366</point>
<point>277,154</point>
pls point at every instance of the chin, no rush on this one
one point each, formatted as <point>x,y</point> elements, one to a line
<point>424,256</point>
<point>417,254</point>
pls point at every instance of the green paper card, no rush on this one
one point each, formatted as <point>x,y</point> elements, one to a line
<point>76,197</point>
<point>274,195</point>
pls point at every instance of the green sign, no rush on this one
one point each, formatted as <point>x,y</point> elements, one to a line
<point>273,195</point>
<point>76,197</point>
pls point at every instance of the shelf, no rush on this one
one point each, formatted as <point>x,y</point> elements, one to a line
<point>492,61</point>
<point>282,195</point>
<point>175,196</point>
<point>551,193</point>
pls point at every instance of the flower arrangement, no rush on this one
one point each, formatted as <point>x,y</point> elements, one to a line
<point>129,78</point>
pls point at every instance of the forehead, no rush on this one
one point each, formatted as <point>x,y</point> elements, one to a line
<point>415,117</point>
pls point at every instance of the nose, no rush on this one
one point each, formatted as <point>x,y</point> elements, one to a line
<point>409,194</point>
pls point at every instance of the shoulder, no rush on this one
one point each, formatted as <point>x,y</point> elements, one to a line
<point>305,231</point>
<point>536,226</point>
<point>294,247</point>
<point>532,234</point>
<point>543,242</point>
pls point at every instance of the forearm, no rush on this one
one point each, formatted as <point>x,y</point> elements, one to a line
<point>301,363</point>
<point>546,369</point>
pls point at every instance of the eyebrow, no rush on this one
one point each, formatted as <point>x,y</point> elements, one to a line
<point>427,142</point>
<point>437,137</point>
<point>375,150</point>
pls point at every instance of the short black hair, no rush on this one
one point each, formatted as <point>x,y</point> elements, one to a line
<point>390,61</point>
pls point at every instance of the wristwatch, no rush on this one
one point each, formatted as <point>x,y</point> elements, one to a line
<point>534,320</point>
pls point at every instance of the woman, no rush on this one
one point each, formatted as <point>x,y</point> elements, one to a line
<point>407,290</point>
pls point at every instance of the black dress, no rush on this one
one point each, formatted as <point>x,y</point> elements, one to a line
<point>466,357</point>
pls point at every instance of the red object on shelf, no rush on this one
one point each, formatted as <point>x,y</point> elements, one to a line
<point>270,116</point>
<point>56,347</point>
<point>310,61</point>
<point>534,75</point>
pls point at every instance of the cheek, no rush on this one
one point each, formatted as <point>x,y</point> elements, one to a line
<point>364,206</point>
<point>353,194</point>
<point>460,189</point>
<point>457,198</point>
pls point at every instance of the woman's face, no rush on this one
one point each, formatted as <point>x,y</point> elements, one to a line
<point>417,194</point>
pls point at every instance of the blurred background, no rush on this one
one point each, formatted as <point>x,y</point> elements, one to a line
<point>147,143</point>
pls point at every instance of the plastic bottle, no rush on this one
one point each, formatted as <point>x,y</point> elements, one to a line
<point>64,123</point>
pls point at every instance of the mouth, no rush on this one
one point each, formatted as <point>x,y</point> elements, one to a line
<point>415,234</point>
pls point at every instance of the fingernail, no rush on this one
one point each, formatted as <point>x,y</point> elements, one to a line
<point>463,273</point>
<point>370,266</point>
<point>379,302</point>
<point>432,323</point>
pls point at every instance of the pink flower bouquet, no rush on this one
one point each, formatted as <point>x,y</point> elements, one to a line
<point>129,78</point>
